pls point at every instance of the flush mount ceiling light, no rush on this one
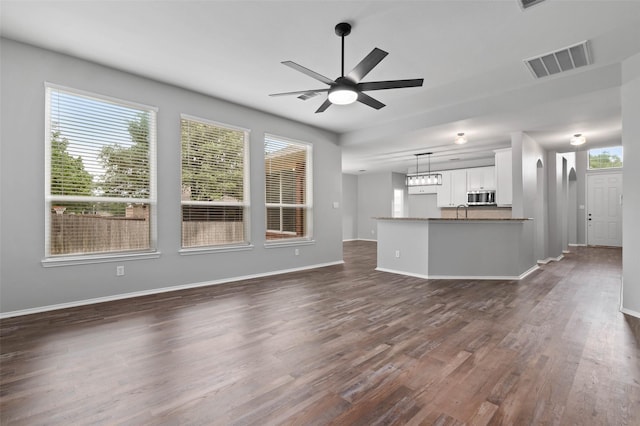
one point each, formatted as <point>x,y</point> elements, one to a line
<point>422,179</point>
<point>577,139</point>
<point>460,139</point>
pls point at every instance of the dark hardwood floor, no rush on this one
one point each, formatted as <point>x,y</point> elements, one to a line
<point>338,345</point>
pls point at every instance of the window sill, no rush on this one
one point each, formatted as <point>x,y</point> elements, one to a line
<point>105,258</point>
<point>293,243</point>
<point>207,250</point>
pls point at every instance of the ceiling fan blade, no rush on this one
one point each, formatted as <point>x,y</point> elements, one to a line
<point>308,72</point>
<point>308,95</point>
<point>367,64</point>
<point>368,100</point>
<point>391,84</point>
<point>300,92</point>
<point>324,106</point>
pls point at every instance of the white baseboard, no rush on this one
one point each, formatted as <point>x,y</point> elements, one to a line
<point>158,291</point>
<point>577,245</point>
<point>367,239</point>
<point>462,277</point>
<point>550,259</point>
<point>408,274</point>
<point>630,312</point>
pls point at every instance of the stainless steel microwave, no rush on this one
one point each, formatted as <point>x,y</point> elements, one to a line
<point>483,197</point>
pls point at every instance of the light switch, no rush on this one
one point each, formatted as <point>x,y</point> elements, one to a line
<point>336,205</point>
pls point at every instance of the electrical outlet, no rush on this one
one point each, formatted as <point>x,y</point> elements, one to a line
<point>373,232</point>
<point>120,270</point>
<point>296,252</point>
<point>397,253</point>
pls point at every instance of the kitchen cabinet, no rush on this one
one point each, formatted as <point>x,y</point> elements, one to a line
<point>419,190</point>
<point>481,178</point>
<point>453,190</point>
<point>504,177</point>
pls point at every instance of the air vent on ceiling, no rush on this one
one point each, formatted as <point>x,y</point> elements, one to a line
<point>560,61</point>
<point>528,3</point>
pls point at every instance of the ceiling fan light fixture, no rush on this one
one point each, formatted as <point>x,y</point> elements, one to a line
<point>342,95</point>
<point>460,139</point>
<point>577,139</point>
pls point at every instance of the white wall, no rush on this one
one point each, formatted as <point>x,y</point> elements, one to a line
<point>535,195</point>
<point>555,200</point>
<point>424,205</point>
<point>375,197</point>
<point>581,196</point>
<point>349,207</point>
<point>25,283</point>
<point>572,208</point>
<point>517,203</point>
<point>630,177</point>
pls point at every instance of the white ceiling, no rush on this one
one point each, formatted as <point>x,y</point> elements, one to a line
<point>470,54</point>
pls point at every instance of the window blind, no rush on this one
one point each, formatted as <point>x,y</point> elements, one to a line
<point>99,174</point>
<point>287,188</point>
<point>214,184</point>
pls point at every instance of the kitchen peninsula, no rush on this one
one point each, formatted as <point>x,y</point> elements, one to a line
<point>456,248</point>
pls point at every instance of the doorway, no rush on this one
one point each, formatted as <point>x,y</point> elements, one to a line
<point>604,209</point>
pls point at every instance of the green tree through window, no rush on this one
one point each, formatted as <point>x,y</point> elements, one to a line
<point>127,167</point>
<point>212,162</point>
<point>605,158</point>
<point>68,176</point>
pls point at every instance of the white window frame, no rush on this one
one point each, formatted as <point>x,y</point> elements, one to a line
<point>246,204</point>
<point>308,205</point>
<point>79,259</point>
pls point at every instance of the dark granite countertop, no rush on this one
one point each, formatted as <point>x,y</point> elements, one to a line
<point>441,219</point>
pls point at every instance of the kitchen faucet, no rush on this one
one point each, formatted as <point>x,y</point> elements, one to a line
<point>466,211</point>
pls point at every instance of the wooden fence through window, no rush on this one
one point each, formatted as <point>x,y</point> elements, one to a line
<point>78,233</point>
<point>83,234</point>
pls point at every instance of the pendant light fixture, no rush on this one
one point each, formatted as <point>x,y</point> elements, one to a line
<point>422,179</point>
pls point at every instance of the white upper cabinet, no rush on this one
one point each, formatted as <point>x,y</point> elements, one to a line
<point>504,177</point>
<point>426,189</point>
<point>481,178</point>
<point>453,190</point>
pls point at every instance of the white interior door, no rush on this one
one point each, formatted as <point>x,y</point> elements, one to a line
<point>604,209</point>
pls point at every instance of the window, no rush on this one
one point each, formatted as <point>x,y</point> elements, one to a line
<point>287,188</point>
<point>605,158</point>
<point>100,175</point>
<point>398,203</point>
<point>214,184</point>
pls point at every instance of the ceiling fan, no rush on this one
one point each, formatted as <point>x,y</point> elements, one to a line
<point>348,89</point>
